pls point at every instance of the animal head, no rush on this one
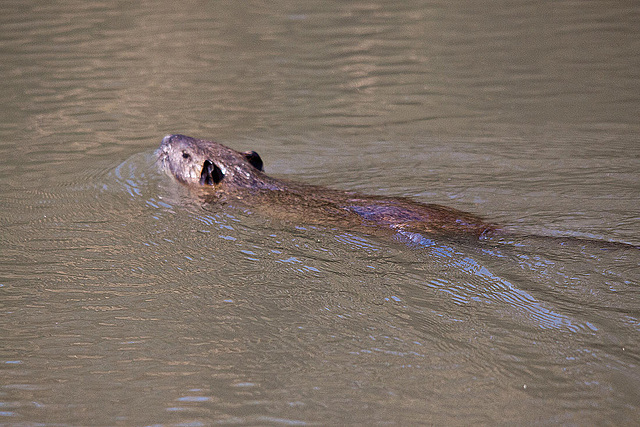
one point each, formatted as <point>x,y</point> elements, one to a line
<point>197,162</point>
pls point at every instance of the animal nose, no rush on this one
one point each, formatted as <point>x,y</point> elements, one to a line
<point>168,142</point>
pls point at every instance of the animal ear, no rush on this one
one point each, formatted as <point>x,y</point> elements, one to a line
<point>211,174</point>
<point>253,158</point>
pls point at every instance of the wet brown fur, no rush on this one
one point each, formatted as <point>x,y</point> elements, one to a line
<point>226,175</point>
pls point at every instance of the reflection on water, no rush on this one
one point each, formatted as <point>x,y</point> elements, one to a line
<point>125,301</point>
<point>482,284</point>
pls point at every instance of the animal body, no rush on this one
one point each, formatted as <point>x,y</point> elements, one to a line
<point>224,175</point>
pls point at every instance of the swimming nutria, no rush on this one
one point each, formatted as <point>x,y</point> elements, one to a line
<point>226,175</point>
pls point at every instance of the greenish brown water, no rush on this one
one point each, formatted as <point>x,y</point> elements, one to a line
<point>125,302</point>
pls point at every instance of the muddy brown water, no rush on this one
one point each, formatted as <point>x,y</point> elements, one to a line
<point>125,301</point>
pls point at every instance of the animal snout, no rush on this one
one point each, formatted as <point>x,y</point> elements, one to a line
<point>176,139</point>
<point>167,139</point>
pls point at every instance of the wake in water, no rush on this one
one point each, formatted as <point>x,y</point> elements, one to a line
<point>545,280</point>
<point>541,280</point>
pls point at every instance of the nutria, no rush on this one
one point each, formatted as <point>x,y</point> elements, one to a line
<point>227,176</point>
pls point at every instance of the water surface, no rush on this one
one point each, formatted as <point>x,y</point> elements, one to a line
<point>124,301</point>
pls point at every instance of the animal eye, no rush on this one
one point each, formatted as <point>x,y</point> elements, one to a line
<point>185,155</point>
